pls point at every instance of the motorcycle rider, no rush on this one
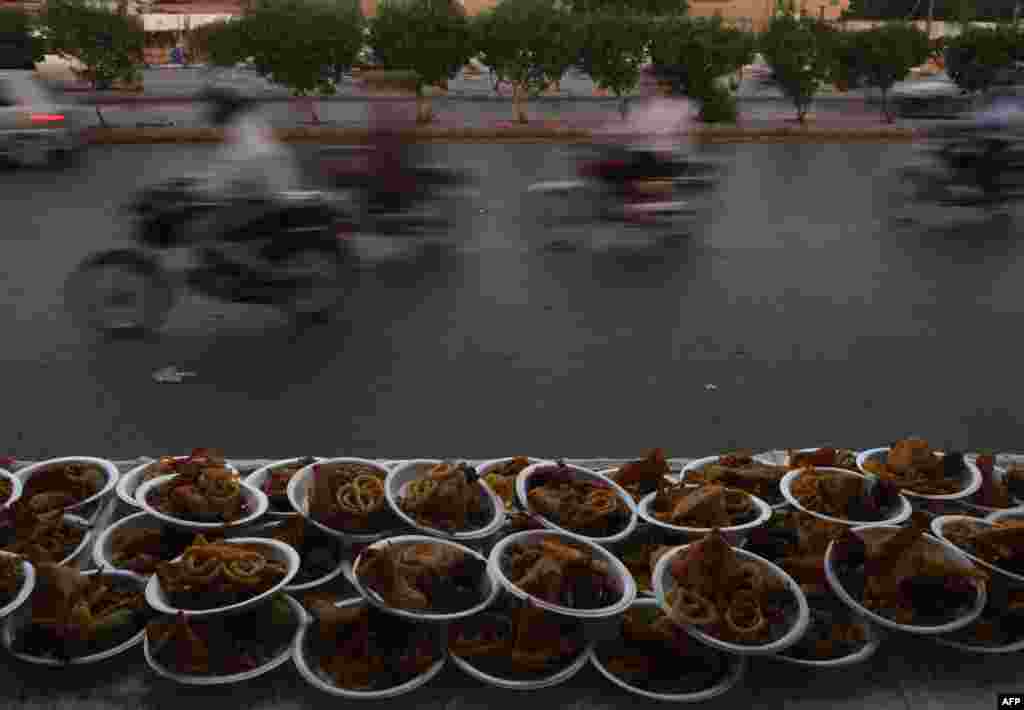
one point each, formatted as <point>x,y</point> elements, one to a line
<point>393,186</point>
<point>251,168</point>
<point>650,140</point>
<point>990,138</point>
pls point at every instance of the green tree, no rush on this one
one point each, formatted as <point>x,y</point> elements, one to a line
<point>650,8</point>
<point>427,37</point>
<point>222,43</point>
<point>799,53</point>
<point>109,43</point>
<point>614,47</point>
<point>693,53</point>
<point>20,44</point>
<point>974,58</point>
<point>887,54</point>
<point>530,44</point>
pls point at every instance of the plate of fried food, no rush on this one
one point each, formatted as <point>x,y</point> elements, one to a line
<point>273,480</point>
<point>207,494</point>
<point>641,551</point>
<point>139,543</point>
<point>729,598</point>
<point>994,494</point>
<point>518,646</point>
<point>652,657</point>
<point>905,579</point>
<point>445,499</point>
<point>754,474</point>
<point>921,472</point>
<point>500,476</point>
<point>17,580</point>
<point>345,498</point>
<point>696,510</point>
<point>10,489</point>
<point>212,578</point>
<point>797,541</point>
<point>354,650</point>
<point>423,578</point>
<point>225,649</point>
<point>643,477</point>
<point>66,484</point>
<point>320,555</point>
<point>817,457</point>
<point>836,637</point>
<point>563,574</point>
<point>997,546</point>
<point>128,484</point>
<point>41,538</point>
<point>76,618</point>
<point>839,495</point>
<point>577,501</point>
<point>999,629</point>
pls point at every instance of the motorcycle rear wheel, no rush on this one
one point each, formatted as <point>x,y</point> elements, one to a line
<point>325,274</point>
<point>119,292</point>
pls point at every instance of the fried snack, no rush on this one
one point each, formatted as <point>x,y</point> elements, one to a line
<point>737,600</point>
<point>823,458</point>
<point>425,576</point>
<point>1001,545</point>
<point>41,538</point>
<point>642,477</point>
<point>517,641</point>
<point>61,485</point>
<point>641,553</point>
<point>75,615</point>
<point>743,472</point>
<point>276,485</point>
<point>141,550</point>
<point>319,554</point>
<point>12,577</point>
<point>349,497</point>
<point>906,577</point>
<point>205,490</point>
<point>502,479</point>
<point>447,498</point>
<point>223,645</point>
<point>361,648</point>
<point>711,506</point>
<point>1015,480</point>
<point>211,575</point>
<point>654,654</point>
<point>6,490</point>
<point>914,466</point>
<point>560,573</point>
<point>588,508</point>
<point>845,496</point>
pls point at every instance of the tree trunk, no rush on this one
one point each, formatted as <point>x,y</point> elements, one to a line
<point>312,111</point>
<point>519,104</point>
<point>424,114</point>
<point>885,106</point>
<point>623,107</point>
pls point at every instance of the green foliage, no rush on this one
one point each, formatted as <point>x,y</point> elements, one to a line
<point>973,59</point>
<point>799,53</point>
<point>614,47</point>
<point>297,41</point>
<point>222,43</point>
<point>692,53</point>
<point>718,106</point>
<point>108,43</point>
<point>948,10</point>
<point>424,36</point>
<point>18,43</point>
<point>887,54</point>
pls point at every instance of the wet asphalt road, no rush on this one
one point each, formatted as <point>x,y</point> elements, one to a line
<point>797,316</point>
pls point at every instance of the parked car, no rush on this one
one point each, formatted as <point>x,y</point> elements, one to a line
<point>37,128</point>
<point>936,97</point>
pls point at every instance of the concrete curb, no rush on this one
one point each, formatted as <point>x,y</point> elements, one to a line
<point>526,134</point>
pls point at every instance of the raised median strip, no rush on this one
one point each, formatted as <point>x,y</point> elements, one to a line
<point>525,134</point>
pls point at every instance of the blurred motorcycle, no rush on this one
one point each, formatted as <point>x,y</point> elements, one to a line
<point>623,187</point>
<point>962,166</point>
<point>305,264</point>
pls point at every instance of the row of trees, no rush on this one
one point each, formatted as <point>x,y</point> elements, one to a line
<point>307,45</point>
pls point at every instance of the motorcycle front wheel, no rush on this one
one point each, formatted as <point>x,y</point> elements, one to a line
<point>119,292</point>
<point>323,274</point>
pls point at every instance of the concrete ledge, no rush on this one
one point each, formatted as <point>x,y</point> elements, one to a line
<point>525,134</point>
